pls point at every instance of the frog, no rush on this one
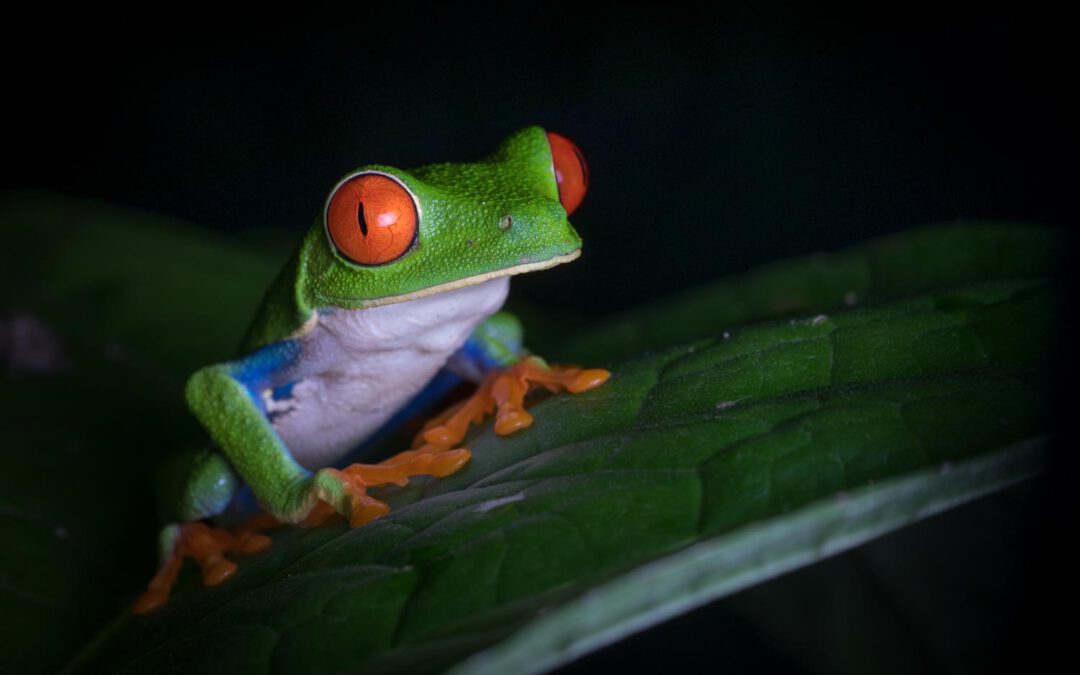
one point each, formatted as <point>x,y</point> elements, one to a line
<point>393,297</point>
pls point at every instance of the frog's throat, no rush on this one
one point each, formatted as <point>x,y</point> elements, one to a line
<point>470,281</point>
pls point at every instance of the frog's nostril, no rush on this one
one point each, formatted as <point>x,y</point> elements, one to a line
<point>506,222</point>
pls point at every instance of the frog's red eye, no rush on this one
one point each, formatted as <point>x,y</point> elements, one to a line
<point>571,171</point>
<point>372,219</point>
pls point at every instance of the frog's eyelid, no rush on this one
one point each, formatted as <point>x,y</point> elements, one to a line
<point>570,169</point>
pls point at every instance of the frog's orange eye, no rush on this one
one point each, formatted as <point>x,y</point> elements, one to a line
<point>372,219</point>
<point>571,171</point>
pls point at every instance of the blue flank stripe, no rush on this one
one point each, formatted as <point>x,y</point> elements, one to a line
<point>243,504</point>
<point>257,370</point>
<point>283,392</point>
<point>475,350</point>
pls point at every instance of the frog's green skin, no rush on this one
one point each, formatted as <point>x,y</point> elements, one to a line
<point>479,223</point>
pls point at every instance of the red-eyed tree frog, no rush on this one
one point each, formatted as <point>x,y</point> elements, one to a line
<point>392,297</point>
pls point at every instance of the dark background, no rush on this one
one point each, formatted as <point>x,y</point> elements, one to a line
<point>716,141</point>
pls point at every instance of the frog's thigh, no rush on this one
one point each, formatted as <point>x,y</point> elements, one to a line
<point>196,484</point>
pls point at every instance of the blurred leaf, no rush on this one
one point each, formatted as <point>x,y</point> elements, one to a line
<point>103,313</point>
<point>178,295</point>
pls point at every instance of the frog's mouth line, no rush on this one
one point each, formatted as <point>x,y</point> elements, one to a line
<point>471,281</point>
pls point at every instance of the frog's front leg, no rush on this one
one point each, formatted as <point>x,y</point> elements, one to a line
<point>227,399</point>
<point>494,357</point>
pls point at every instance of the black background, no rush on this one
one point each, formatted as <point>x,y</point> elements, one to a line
<point>716,140</point>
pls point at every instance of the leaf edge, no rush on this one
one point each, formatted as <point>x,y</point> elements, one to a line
<point>707,571</point>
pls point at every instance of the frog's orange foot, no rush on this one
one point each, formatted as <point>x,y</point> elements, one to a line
<point>207,546</point>
<point>504,394</point>
<point>362,508</point>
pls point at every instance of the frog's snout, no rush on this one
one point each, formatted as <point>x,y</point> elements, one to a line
<point>537,231</point>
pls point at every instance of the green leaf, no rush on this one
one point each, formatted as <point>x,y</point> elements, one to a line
<point>712,445</point>
<point>727,448</point>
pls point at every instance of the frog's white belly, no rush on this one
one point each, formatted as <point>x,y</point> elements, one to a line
<point>362,366</point>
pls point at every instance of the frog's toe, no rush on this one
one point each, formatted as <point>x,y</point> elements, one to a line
<point>450,462</point>
<point>356,504</point>
<point>503,392</point>
<point>448,429</point>
<point>207,546</point>
<point>253,543</point>
<point>350,498</point>
<point>510,387</point>
<point>366,509</point>
<point>430,460</point>
<point>533,373</point>
<point>511,418</point>
<point>160,587</point>
<point>588,379</point>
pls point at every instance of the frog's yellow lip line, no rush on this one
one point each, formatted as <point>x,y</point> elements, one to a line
<point>473,280</point>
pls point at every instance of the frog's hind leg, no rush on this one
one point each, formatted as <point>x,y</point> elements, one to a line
<point>207,546</point>
<point>494,357</point>
<point>198,485</point>
<point>503,392</point>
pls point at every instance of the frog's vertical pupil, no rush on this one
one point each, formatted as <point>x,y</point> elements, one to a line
<point>361,219</point>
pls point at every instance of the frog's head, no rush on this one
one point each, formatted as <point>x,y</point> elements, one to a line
<point>388,235</point>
